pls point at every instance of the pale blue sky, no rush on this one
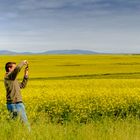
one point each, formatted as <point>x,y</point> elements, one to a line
<point>98,25</point>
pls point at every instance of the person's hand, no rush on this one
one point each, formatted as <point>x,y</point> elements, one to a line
<point>25,62</point>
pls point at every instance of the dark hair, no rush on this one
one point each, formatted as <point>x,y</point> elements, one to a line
<point>8,65</point>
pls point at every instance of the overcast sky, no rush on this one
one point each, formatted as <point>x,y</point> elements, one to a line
<point>98,25</point>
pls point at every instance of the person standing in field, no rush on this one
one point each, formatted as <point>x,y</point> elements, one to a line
<point>13,95</point>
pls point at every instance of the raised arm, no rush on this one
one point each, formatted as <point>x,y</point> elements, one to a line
<point>25,79</point>
<point>13,74</point>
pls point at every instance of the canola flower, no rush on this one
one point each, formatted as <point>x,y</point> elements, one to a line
<point>80,100</point>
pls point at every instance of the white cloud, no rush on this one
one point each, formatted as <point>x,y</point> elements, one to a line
<point>61,24</point>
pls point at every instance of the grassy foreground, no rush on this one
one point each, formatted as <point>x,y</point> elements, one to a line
<point>68,97</point>
<point>102,130</point>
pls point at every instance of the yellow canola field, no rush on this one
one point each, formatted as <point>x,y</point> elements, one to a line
<point>83,100</point>
<point>61,89</point>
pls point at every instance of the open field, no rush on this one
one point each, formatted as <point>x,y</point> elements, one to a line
<point>78,97</point>
<point>79,66</point>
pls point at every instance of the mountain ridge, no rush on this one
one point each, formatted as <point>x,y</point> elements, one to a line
<point>76,51</point>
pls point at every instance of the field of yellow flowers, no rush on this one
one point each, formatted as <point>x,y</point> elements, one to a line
<point>80,97</point>
<point>79,88</point>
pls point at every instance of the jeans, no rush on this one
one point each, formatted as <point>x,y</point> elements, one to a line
<point>18,110</point>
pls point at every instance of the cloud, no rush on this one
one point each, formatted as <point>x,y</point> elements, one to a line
<point>65,8</point>
<point>69,23</point>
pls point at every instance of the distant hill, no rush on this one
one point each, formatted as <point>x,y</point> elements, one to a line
<point>7,52</point>
<point>70,52</point>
